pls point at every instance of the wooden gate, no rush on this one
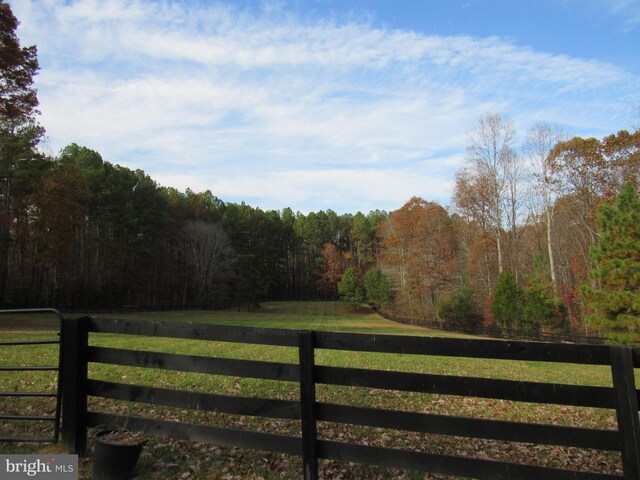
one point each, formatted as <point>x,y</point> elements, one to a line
<point>18,417</point>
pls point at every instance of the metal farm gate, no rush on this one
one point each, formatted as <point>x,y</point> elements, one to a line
<point>16,419</point>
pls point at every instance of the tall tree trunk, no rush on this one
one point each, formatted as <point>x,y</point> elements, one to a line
<point>5,226</point>
<point>552,266</point>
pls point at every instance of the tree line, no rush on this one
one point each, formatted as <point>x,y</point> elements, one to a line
<point>521,247</point>
<point>78,230</point>
<point>88,232</point>
<point>524,244</point>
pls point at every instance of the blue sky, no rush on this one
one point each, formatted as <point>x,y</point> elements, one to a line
<point>324,104</point>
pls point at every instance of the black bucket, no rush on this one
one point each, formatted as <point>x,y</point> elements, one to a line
<point>114,461</point>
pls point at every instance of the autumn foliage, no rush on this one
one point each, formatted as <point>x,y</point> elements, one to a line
<point>531,225</point>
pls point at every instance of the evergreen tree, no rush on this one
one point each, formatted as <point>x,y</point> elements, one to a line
<point>19,131</point>
<point>464,307</point>
<point>543,307</point>
<point>537,310</point>
<point>507,302</point>
<point>377,288</point>
<point>615,296</point>
<point>460,307</point>
<point>350,288</point>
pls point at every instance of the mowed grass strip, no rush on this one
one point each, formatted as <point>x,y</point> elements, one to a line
<point>329,316</point>
<point>333,316</point>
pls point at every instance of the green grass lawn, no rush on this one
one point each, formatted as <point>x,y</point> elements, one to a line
<point>328,316</point>
<point>206,461</point>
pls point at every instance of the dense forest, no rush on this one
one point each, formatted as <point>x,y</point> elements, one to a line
<point>86,232</point>
<point>517,249</point>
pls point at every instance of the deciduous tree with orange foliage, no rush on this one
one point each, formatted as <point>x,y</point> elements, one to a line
<point>420,250</point>
<point>57,216</point>
<point>329,272</point>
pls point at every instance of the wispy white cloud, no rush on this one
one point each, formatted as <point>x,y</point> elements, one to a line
<point>629,9</point>
<point>625,14</point>
<point>365,189</point>
<point>291,112</point>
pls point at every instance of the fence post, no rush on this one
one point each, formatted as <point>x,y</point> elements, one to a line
<point>74,384</point>
<point>308,405</point>
<point>626,409</point>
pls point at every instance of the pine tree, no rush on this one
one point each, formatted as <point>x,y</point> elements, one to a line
<point>350,288</point>
<point>543,308</point>
<point>19,132</point>
<point>615,296</point>
<point>377,288</point>
<point>507,303</point>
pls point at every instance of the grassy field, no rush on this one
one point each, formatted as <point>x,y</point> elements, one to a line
<point>331,316</point>
<point>171,459</point>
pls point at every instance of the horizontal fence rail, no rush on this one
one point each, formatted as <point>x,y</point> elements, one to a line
<point>621,398</point>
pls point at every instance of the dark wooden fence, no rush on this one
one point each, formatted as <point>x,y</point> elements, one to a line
<point>122,309</point>
<point>622,397</point>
